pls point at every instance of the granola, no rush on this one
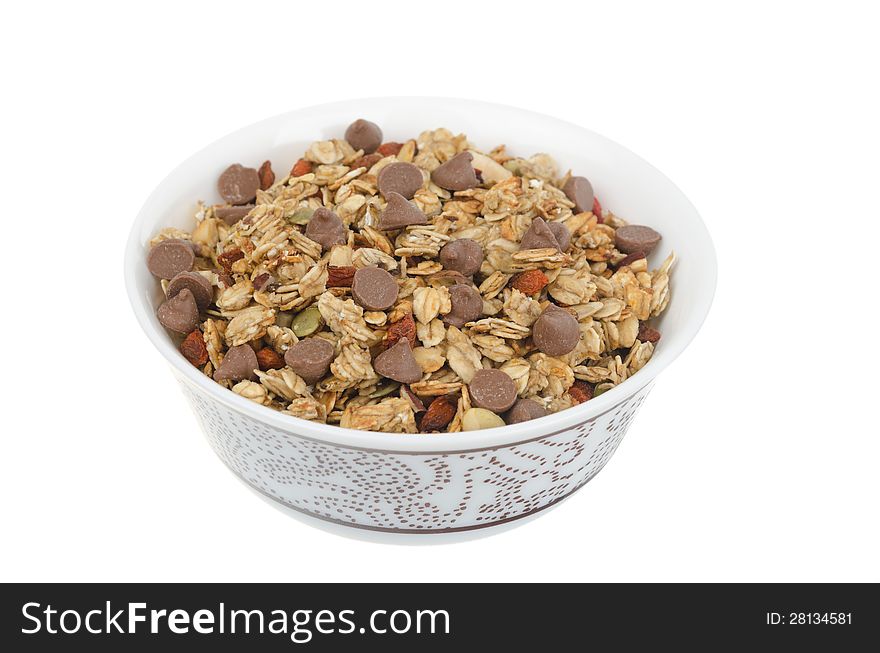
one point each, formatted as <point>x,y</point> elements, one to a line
<point>415,286</point>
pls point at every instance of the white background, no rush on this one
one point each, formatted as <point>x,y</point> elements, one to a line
<point>755,457</point>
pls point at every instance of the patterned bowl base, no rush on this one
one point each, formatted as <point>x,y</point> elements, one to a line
<point>436,492</point>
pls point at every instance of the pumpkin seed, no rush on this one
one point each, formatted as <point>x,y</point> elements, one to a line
<point>302,215</point>
<point>384,389</point>
<point>306,322</point>
<point>602,387</point>
<point>283,318</point>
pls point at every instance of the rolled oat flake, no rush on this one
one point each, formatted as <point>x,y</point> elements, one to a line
<point>580,191</point>
<point>493,390</point>
<point>238,364</point>
<point>524,410</point>
<point>374,289</point>
<point>636,238</point>
<point>238,185</point>
<point>198,285</point>
<point>398,363</point>
<point>400,177</point>
<point>400,213</point>
<point>463,255</point>
<point>457,173</point>
<point>556,332</point>
<point>538,236</point>
<point>364,135</point>
<point>310,358</point>
<point>467,305</point>
<point>326,229</point>
<point>170,257</point>
<point>448,278</point>
<point>180,313</point>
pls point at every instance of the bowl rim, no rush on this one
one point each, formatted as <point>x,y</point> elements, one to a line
<point>414,442</point>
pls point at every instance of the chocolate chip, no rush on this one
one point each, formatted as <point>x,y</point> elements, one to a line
<point>200,287</point>
<point>366,161</point>
<point>524,410</point>
<point>467,305</point>
<point>492,390</point>
<point>538,236</point>
<point>400,177</point>
<point>238,364</point>
<point>580,191</point>
<point>556,332</point>
<point>232,214</point>
<point>636,238</point>
<point>310,358</point>
<point>399,213</point>
<point>457,173</point>
<point>170,257</point>
<point>463,255</point>
<point>561,233</point>
<point>238,185</point>
<point>179,313</point>
<point>326,229</point>
<point>364,135</point>
<point>374,289</point>
<point>398,363</point>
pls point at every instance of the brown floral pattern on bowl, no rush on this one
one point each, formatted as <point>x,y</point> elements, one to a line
<point>429,492</point>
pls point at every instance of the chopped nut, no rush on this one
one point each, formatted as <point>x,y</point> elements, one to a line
<point>227,258</point>
<point>269,359</point>
<point>439,414</point>
<point>300,168</point>
<point>402,328</point>
<point>648,334</point>
<point>193,349</point>
<point>580,392</point>
<point>340,276</point>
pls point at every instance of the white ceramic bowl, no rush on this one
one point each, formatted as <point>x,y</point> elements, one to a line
<point>437,483</point>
